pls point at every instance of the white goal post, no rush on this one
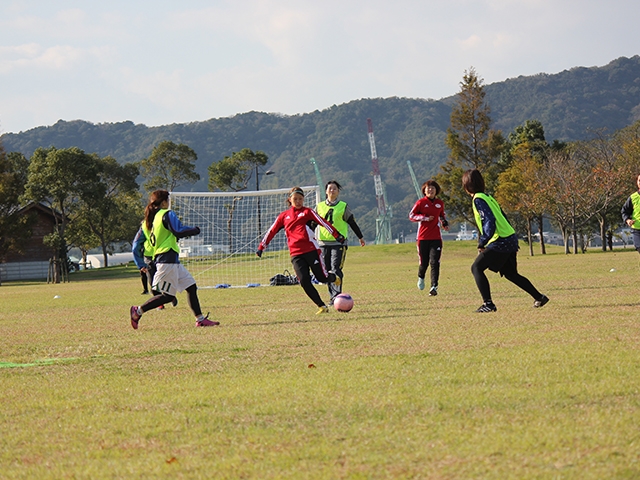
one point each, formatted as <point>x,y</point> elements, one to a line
<point>231,227</point>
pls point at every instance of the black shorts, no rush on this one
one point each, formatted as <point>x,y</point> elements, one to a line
<point>504,263</point>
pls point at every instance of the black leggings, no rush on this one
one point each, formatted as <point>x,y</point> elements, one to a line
<point>161,299</point>
<point>429,253</point>
<point>506,265</point>
<point>311,261</point>
<point>334,256</point>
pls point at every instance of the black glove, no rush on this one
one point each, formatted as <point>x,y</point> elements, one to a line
<point>259,253</point>
<point>341,239</point>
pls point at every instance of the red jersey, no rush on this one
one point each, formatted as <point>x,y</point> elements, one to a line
<point>423,209</point>
<point>301,238</point>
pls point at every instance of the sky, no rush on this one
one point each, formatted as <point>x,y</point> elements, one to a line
<point>161,62</point>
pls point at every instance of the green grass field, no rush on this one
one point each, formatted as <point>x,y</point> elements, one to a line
<point>404,386</point>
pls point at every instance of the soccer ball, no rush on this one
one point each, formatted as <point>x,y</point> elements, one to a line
<point>343,302</point>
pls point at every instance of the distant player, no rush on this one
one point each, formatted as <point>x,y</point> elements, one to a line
<point>143,257</point>
<point>631,214</point>
<point>429,211</point>
<point>298,223</point>
<point>171,277</point>
<point>337,213</point>
<point>497,245</point>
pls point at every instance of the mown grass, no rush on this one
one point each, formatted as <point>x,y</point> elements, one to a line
<point>404,386</point>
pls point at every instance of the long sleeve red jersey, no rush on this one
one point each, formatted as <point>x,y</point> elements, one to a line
<point>426,208</point>
<point>297,224</point>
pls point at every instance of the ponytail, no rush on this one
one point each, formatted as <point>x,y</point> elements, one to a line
<point>155,200</point>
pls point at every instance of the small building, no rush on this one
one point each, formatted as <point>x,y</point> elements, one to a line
<point>33,263</point>
<point>465,234</point>
<point>97,261</point>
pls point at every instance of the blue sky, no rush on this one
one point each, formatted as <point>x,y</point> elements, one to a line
<point>161,62</point>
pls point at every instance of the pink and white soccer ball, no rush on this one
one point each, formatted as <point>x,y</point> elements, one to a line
<point>343,302</point>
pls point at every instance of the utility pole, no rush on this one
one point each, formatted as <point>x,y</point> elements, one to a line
<point>268,172</point>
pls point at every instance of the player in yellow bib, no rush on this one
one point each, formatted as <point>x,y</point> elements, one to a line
<point>337,213</point>
<point>171,277</point>
<point>497,245</point>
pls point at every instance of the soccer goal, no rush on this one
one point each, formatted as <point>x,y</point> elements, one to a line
<point>231,227</point>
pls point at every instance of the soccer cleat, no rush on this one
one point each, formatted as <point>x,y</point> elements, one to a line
<point>434,291</point>
<point>338,281</point>
<point>322,309</point>
<point>161,307</point>
<point>487,307</point>
<point>541,302</point>
<point>420,283</point>
<point>135,317</point>
<point>145,293</point>
<point>205,322</point>
<point>174,302</point>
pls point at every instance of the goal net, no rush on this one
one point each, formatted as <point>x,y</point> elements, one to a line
<point>232,225</point>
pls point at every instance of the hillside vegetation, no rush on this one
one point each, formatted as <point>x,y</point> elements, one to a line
<point>571,105</point>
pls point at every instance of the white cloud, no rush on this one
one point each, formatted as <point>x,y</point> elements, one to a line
<point>34,56</point>
<point>471,42</point>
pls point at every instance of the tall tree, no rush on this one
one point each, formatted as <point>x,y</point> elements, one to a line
<point>61,178</point>
<point>520,185</point>
<point>113,216</point>
<point>169,166</point>
<point>14,227</point>
<point>234,172</point>
<point>472,144</point>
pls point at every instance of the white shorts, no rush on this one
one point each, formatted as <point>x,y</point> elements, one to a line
<point>171,278</point>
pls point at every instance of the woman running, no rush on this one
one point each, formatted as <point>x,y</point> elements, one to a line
<point>299,223</point>
<point>429,211</point>
<point>497,245</point>
<point>170,277</point>
<point>337,213</point>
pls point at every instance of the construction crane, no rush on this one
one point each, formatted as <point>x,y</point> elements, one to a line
<point>415,181</point>
<point>383,221</point>
<point>318,176</point>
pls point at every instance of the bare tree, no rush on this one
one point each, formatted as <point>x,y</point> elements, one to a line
<point>571,191</point>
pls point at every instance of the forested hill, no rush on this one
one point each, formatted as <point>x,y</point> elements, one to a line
<point>569,104</point>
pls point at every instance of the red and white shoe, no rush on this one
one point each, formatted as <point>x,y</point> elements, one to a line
<point>205,322</point>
